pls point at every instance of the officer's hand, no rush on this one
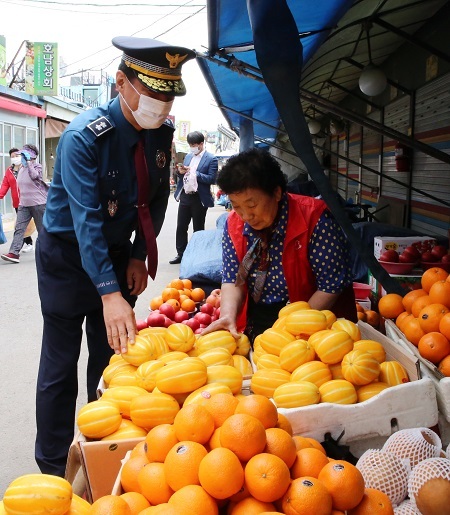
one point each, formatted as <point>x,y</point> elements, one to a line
<point>119,321</point>
<point>137,276</point>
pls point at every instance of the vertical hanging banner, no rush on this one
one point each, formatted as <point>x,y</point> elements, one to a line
<point>41,61</point>
<point>183,130</point>
<point>2,61</point>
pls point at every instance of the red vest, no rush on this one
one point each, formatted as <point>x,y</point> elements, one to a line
<point>303,215</point>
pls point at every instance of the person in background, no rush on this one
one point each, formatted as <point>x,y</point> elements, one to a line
<point>277,247</point>
<point>193,191</point>
<point>10,183</point>
<point>111,180</point>
<point>32,199</point>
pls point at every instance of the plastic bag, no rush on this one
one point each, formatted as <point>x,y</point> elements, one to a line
<point>190,182</point>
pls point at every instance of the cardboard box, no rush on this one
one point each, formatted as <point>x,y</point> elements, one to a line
<point>382,243</point>
<point>409,282</point>
<point>100,462</point>
<point>404,406</point>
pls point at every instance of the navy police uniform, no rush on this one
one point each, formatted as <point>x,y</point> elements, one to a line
<point>83,252</point>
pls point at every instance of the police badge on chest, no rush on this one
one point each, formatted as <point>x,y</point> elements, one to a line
<point>112,207</point>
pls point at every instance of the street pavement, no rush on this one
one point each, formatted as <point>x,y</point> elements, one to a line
<point>20,337</point>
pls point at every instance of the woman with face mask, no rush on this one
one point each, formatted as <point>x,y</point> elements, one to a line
<point>10,183</point>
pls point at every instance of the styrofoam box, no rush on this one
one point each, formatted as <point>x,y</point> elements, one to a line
<point>404,406</point>
<point>382,243</point>
<point>428,369</point>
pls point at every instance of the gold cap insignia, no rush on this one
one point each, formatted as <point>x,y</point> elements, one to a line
<point>175,60</point>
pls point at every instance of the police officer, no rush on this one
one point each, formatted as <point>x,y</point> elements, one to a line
<point>88,269</point>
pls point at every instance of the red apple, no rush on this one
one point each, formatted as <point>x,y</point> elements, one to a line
<point>217,291</point>
<point>407,257</point>
<point>428,257</point>
<point>211,299</point>
<point>439,251</point>
<point>193,323</point>
<point>141,324</point>
<point>198,331</point>
<point>207,308</point>
<point>167,310</point>
<point>389,255</point>
<point>445,259</point>
<point>203,318</point>
<point>202,326</point>
<point>181,315</point>
<point>214,318</point>
<point>168,322</point>
<point>156,320</point>
<point>412,249</point>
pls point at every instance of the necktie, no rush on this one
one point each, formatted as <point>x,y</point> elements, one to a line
<point>145,221</point>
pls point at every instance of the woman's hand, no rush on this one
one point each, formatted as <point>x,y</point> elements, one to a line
<point>224,323</point>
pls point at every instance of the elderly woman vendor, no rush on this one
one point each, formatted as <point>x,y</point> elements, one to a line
<point>277,247</point>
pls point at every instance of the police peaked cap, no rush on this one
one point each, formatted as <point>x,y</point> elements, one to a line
<point>157,65</point>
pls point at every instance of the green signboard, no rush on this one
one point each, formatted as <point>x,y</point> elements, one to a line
<point>2,61</point>
<point>41,62</point>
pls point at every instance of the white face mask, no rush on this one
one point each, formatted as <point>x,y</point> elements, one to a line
<point>16,161</point>
<point>195,150</point>
<point>151,113</point>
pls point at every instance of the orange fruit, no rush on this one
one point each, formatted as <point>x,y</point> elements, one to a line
<point>431,276</point>
<point>374,502</point>
<point>301,442</point>
<point>430,317</point>
<point>159,441</point>
<point>390,306</point>
<point>308,496</point>
<point>444,366</point>
<point>361,316</point>
<point>440,293</point>
<point>410,297</point>
<point>283,423</point>
<point>153,484</point>
<point>139,450</point>
<point>412,330</point>
<point>214,441</point>
<point>444,325</point>
<point>434,347</point>
<point>193,500</point>
<point>419,304</point>
<point>281,444</point>
<point>174,303</point>
<point>267,477</point>
<point>161,509</point>
<point>401,319</point>
<point>221,473</point>
<point>110,505</point>
<point>344,482</point>
<point>251,506</point>
<point>372,317</point>
<point>170,293</point>
<point>260,407</point>
<point>188,305</point>
<point>244,435</point>
<point>156,302</point>
<point>130,471</point>
<point>184,456</point>
<point>317,445</point>
<point>136,501</point>
<point>221,406</point>
<point>197,294</point>
<point>309,462</point>
<point>177,283</point>
<point>187,283</point>
<point>195,423</point>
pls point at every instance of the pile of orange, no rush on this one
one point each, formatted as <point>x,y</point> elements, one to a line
<point>180,295</point>
<point>370,316</point>
<point>237,456</point>
<point>423,316</point>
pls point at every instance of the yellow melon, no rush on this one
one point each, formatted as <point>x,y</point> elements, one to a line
<point>78,506</point>
<point>338,391</point>
<point>243,365</point>
<point>306,322</point>
<point>127,430</point>
<point>331,317</point>
<point>98,419</point>
<point>336,371</point>
<point>217,356</point>
<point>216,339</point>
<point>122,396</point>
<point>313,371</point>
<point>180,337</point>
<point>124,378</point>
<point>172,356</point>
<point>342,324</point>
<point>296,394</point>
<point>152,409</point>
<point>114,358</point>
<point>292,307</point>
<point>372,347</point>
<point>264,382</point>
<point>273,340</point>
<point>295,354</point>
<point>243,345</point>
<point>280,323</point>
<point>183,376</point>
<point>268,361</point>
<point>160,331</point>
<point>141,351</point>
<point>370,390</point>
<point>227,375</point>
<point>159,342</point>
<point>206,392</point>
<point>360,367</point>
<point>393,373</point>
<point>115,367</point>
<point>146,374</point>
<point>332,345</point>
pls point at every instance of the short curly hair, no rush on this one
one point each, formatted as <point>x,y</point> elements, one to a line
<point>33,148</point>
<point>251,169</point>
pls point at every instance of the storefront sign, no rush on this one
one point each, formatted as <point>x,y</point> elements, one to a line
<point>41,68</point>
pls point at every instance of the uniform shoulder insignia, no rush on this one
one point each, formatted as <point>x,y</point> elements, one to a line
<point>100,126</point>
<point>169,123</point>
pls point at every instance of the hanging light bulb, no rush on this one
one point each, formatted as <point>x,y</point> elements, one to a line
<point>51,155</point>
<point>373,80</point>
<point>314,126</point>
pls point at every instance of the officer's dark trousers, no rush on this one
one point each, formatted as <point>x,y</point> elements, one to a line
<point>68,298</point>
<point>190,208</point>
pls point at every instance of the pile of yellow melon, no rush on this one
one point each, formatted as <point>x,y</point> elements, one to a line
<point>165,369</point>
<point>308,356</point>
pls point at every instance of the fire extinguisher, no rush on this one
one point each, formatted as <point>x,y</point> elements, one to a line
<point>402,161</point>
